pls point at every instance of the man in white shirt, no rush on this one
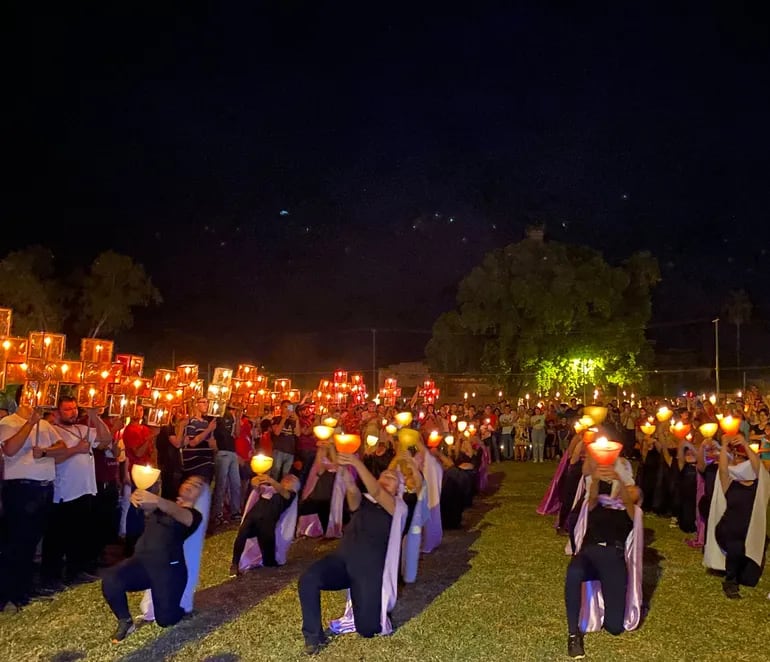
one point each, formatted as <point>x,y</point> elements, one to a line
<point>30,447</point>
<point>71,531</point>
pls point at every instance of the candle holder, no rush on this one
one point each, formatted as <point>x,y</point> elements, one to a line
<point>132,364</point>
<point>261,464</point>
<point>96,350</point>
<point>323,432</point>
<point>371,440</point>
<point>664,414</point>
<point>605,452</point>
<point>408,437</point>
<point>187,374</point>
<point>164,378</point>
<point>347,443</point>
<point>144,476</point>
<point>708,430</point>
<point>597,414</point>
<point>730,425</point>
<point>434,439</point>
<point>649,429</point>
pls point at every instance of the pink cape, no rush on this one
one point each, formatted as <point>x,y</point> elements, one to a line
<point>551,502</point>
<point>310,525</point>
<point>432,531</point>
<point>284,533</point>
<point>592,611</point>
<point>346,623</point>
<point>700,523</point>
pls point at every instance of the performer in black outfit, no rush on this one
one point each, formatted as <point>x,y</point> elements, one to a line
<point>359,560</point>
<point>262,518</point>
<point>601,556</point>
<point>158,562</point>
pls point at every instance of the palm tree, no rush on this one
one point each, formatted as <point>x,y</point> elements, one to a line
<point>738,310</point>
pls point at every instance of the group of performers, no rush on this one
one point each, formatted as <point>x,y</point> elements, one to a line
<point>716,487</point>
<point>388,502</point>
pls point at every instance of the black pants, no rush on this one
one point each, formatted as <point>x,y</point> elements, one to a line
<point>166,580</point>
<point>608,565</point>
<point>106,515</point>
<point>263,531</point>
<point>334,572</point>
<point>70,535</point>
<point>320,507</point>
<point>739,568</point>
<point>26,504</point>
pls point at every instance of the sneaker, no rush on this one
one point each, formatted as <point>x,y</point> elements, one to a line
<point>219,520</point>
<point>575,646</point>
<point>124,628</point>
<point>234,570</point>
<point>731,590</point>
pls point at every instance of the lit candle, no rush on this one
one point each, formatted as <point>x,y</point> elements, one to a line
<point>371,440</point>
<point>91,394</point>
<point>261,463</point>
<point>449,440</point>
<point>144,476</point>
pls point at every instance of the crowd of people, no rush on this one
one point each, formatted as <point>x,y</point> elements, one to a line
<point>699,463</point>
<point>68,497</point>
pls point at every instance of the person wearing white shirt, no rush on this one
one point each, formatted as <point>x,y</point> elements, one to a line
<point>29,446</point>
<point>70,534</point>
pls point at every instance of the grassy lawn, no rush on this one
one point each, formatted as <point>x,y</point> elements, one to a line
<point>492,592</point>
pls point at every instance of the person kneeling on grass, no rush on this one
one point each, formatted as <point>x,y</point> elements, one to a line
<point>270,518</point>
<point>609,538</point>
<point>158,562</point>
<point>366,561</point>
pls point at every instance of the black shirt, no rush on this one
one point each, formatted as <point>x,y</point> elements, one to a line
<point>223,433</point>
<point>269,510</point>
<point>366,536</point>
<point>378,463</point>
<point>168,454</point>
<point>608,525</point>
<point>163,537</point>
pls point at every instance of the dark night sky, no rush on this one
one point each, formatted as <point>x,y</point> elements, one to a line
<point>403,145</point>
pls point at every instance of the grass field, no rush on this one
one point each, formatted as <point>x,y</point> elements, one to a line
<point>491,592</point>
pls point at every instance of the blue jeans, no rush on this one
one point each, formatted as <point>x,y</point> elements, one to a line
<point>228,477</point>
<point>281,464</point>
<point>506,440</point>
<point>538,443</point>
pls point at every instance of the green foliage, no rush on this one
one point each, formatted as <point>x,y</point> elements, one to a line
<point>549,316</point>
<point>104,297</point>
<point>29,288</point>
<point>114,285</point>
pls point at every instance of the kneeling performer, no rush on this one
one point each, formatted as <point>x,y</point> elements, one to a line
<point>374,533</point>
<point>607,554</point>
<point>158,562</point>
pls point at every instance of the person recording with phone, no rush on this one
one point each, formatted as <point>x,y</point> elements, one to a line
<point>194,437</point>
<point>285,444</point>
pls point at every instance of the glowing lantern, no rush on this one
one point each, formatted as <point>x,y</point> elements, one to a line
<point>648,429</point>
<point>680,430</point>
<point>347,443</point>
<point>604,451</point>
<point>730,425</point>
<point>589,435</point>
<point>708,430</point>
<point>371,440</point>
<point>330,422</point>
<point>461,425</point>
<point>391,429</point>
<point>598,414</point>
<point>144,476</point>
<point>434,439</point>
<point>449,440</point>
<point>453,418</point>
<point>754,447</point>
<point>664,413</point>
<point>713,399</point>
<point>408,437</point>
<point>323,432</point>
<point>261,463</point>
<point>404,418</point>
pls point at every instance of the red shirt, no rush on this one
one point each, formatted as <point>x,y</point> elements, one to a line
<point>134,436</point>
<point>243,442</point>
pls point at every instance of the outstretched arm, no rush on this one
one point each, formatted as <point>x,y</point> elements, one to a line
<point>373,487</point>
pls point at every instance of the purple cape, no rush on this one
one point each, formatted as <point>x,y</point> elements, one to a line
<point>284,533</point>
<point>551,502</point>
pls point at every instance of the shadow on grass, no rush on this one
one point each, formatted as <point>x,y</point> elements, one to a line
<point>651,572</point>
<point>443,567</point>
<point>217,605</point>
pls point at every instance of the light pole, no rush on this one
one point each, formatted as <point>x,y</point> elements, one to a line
<point>716,353</point>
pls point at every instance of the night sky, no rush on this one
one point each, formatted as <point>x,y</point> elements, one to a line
<point>294,176</point>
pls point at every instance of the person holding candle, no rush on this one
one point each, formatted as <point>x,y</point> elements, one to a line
<point>158,562</point>
<point>262,519</point>
<point>366,560</point>
<point>735,541</point>
<point>601,535</point>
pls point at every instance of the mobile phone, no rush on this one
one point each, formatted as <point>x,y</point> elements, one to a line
<point>290,408</point>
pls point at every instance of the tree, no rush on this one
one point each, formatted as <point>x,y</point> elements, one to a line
<point>548,315</point>
<point>738,310</point>
<point>29,288</point>
<point>114,286</point>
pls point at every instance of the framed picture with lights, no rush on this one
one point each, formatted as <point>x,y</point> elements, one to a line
<point>91,395</point>
<point>47,346</point>
<point>187,373</point>
<point>6,316</point>
<point>132,364</point>
<point>164,378</point>
<point>96,350</point>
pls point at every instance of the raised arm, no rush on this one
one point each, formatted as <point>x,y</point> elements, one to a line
<point>373,487</point>
<point>352,493</point>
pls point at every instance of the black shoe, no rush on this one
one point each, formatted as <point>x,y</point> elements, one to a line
<point>55,585</point>
<point>236,517</point>
<point>44,591</point>
<point>82,578</point>
<point>314,649</point>
<point>575,646</point>
<point>731,590</point>
<point>124,628</point>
